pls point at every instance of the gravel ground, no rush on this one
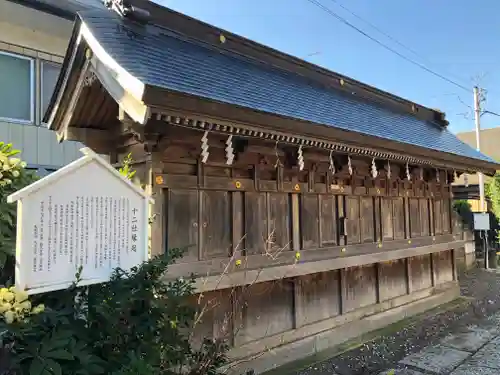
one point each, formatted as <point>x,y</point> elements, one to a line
<point>383,353</point>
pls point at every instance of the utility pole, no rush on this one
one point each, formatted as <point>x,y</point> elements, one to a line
<point>477,119</point>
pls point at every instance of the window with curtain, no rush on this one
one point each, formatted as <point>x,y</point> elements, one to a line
<point>16,87</point>
<point>49,74</point>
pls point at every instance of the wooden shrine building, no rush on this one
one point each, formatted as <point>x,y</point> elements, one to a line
<point>316,207</point>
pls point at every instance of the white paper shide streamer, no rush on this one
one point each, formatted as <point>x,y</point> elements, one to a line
<point>332,164</point>
<point>408,176</point>
<point>229,150</point>
<point>349,165</point>
<point>466,180</point>
<point>300,159</point>
<point>437,175</point>
<point>204,148</point>
<point>388,169</point>
<point>374,169</point>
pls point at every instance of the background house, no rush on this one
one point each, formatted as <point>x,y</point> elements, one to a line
<point>490,139</point>
<point>34,35</point>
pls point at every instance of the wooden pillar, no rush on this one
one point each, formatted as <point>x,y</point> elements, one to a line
<point>407,216</point>
<point>433,269</point>
<point>408,275</point>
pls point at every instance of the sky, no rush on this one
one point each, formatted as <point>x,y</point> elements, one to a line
<point>459,39</point>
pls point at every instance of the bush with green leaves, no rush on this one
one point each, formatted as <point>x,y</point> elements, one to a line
<point>134,324</point>
<point>13,177</point>
<point>492,191</point>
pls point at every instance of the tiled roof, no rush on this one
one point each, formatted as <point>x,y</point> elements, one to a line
<point>159,58</point>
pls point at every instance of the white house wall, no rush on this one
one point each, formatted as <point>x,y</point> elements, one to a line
<point>27,32</point>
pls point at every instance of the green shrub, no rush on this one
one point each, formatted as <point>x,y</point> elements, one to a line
<point>134,324</point>
<point>13,177</point>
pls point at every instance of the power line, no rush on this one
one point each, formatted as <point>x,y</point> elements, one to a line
<point>373,39</point>
<point>388,36</point>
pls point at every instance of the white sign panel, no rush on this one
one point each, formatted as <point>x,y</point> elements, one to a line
<point>84,215</point>
<point>481,221</point>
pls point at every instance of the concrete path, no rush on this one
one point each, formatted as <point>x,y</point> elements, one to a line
<point>475,351</point>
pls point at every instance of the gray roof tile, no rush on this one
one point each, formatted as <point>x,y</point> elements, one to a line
<point>159,58</point>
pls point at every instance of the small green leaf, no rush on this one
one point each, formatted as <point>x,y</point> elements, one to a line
<point>54,367</point>
<point>36,367</point>
<point>61,354</point>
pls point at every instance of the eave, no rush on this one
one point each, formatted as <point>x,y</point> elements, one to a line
<point>201,114</point>
<point>85,61</point>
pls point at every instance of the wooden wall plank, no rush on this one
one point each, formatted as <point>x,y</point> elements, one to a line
<point>443,266</point>
<point>392,279</point>
<point>256,235</point>
<point>279,220</point>
<point>359,288</point>
<point>182,222</point>
<point>446,215</point>
<point>216,220</point>
<point>266,309</point>
<point>215,315</point>
<point>238,238</point>
<point>367,221</point>
<point>424,217</point>
<point>319,296</point>
<point>399,218</point>
<point>309,220</point>
<point>352,215</point>
<point>328,220</point>
<point>421,272</point>
<point>415,227</point>
<point>438,216</point>
<point>387,218</point>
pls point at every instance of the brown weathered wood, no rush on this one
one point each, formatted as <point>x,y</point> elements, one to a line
<point>414,215</point>
<point>421,271</point>
<point>392,277</point>
<point>256,231</point>
<point>279,221</point>
<point>216,219</point>
<point>378,218</point>
<point>409,276</point>
<point>342,220</point>
<point>400,218</point>
<point>446,215</point>
<point>443,266</point>
<point>328,220</point>
<point>353,220</point>
<point>238,236</point>
<point>158,210</point>
<point>291,268</point>
<point>310,219</point>
<point>319,296</point>
<point>267,309</point>
<point>367,221</point>
<point>386,214</point>
<point>360,287</point>
<point>183,223</point>
<point>438,216</point>
<point>296,243</point>
<point>424,217</point>
<point>433,270</point>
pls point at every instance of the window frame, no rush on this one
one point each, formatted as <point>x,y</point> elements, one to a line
<point>40,99</point>
<point>32,61</point>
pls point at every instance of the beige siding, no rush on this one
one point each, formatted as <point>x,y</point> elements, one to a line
<point>39,145</point>
<point>44,37</point>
